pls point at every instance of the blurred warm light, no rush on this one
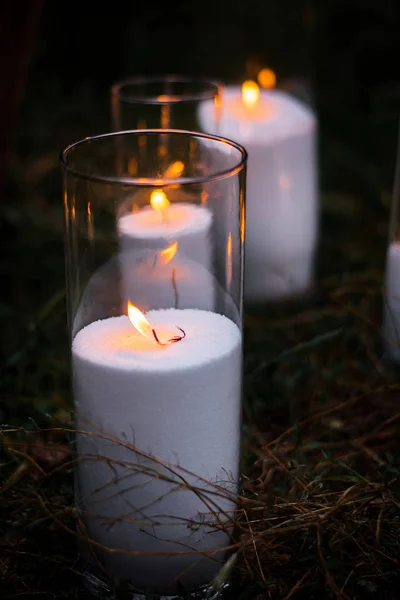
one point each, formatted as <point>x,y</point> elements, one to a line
<point>175,170</point>
<point>242,218</point>
<point>132,166</point>
<point>159,200</point>
<point>267,78</point>
<point>229,261</point>
<point>285,182</point>
<point>250,93</point>
<point>204,197</point>
<point>162,151</point>
<point>168,253</point>
<point>142,138</point>
<point>90,222</point>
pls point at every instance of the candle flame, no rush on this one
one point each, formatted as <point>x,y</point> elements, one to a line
<point>139,321</point>
<point>250,93</point>
<point>159,200</point>
<point>174,170</point>
<point>267,78</point>
<point>168,253</point>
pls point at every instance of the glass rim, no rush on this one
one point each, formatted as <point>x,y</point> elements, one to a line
<point>215,88</point>
<point>153,181</point>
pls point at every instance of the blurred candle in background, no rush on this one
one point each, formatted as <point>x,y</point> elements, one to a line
<point>391,305</point>
<point>279,134</point>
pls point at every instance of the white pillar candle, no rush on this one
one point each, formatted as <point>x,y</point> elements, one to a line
<point>180,403</point>
<point>188,273</point>
<point>279,134</point>
<point>391,305</point>
<point>164,279</point>
<point>186,223</point>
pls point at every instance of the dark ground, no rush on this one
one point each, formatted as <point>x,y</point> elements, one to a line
<point>313,371</point>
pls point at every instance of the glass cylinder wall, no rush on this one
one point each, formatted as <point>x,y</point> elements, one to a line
<point>163,102</point>
<point>391,303</point>
<point>154,285</point>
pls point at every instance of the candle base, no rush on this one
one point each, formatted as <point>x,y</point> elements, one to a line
<point>104,590</point>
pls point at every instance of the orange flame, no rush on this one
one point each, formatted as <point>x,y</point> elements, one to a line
<point>159,200</point>
<point>267,78</point>
<point>139,321</point>
<point>250,93</point>
<point>168,253</point>
<point>175,170</point>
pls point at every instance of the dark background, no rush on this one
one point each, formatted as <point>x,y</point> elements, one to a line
<point>341,55</point>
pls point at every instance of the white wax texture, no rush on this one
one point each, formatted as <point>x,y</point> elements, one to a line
<point>391,305</point>
<point>180,403</point>
<point>186,223</point>
<point>281,196</point>
<point>180,283</point>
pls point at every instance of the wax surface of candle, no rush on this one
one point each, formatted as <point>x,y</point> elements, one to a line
<point>279,134</point>
<point>186,224</point>
<point>180,403</point>
<point>179,283</point>
<point>177,220</point>
<point>276,116</point>
<point>115,341</point>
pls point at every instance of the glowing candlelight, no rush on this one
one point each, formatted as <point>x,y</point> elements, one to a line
<point>159,202</point>
<point>175,170</point>
<point>266,78</point>
<point>139,321</point>
<point>250,93</point>
<point>279,134</point>
<point>168,254</point>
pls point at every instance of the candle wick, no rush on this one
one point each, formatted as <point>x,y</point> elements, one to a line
<point>176,338</point>
<point>156,338</point>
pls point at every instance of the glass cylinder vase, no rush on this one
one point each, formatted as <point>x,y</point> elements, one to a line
<point>167,101</point>
<point>391,300</point>
<point>154,286</point>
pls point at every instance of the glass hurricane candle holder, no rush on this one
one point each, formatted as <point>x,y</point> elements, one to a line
<point>154,286</point>
<point>391,301</point>
<point>168,102</point>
